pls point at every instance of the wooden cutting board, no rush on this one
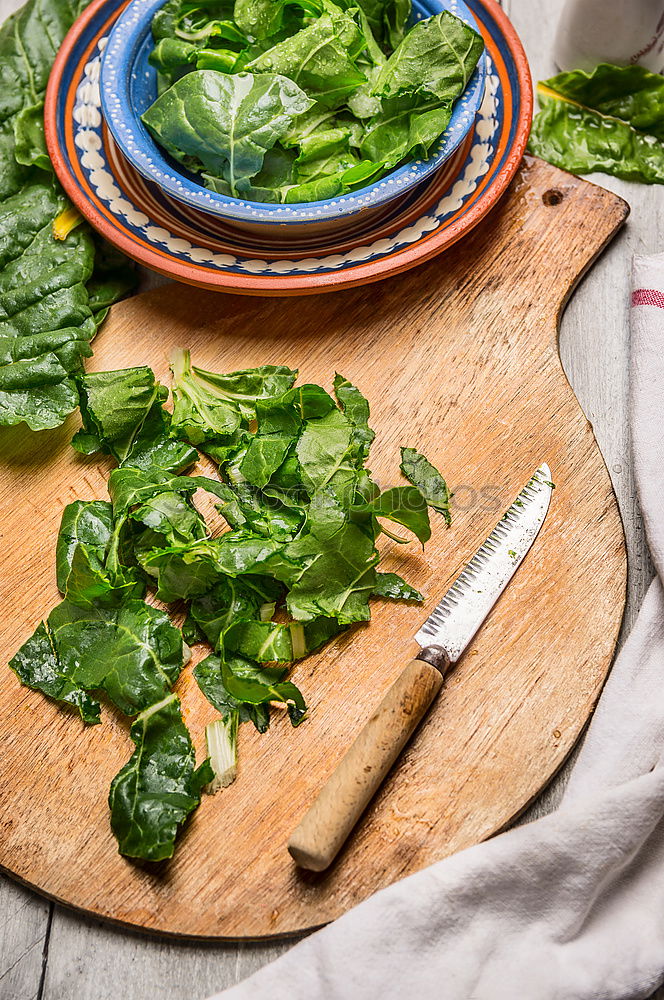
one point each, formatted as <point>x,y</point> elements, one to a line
<point>459,359</point>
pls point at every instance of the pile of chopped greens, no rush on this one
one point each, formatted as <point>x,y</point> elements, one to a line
<point>56,280</point>
<point>303,100</point>
<point>297,565</point>
<point>610,120</point>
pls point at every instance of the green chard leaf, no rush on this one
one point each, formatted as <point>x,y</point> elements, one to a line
<point>325,454</point>
<point>133,653</point>
<point>229,601</point>
<point>404,505</point>
<point>405,126</point>
<point>392,586</point>
<point>387,19</point>
<point>159,786</point>
<point>246,387</point>
<point>46,323</point>
<point>47,318</point>
<point>265,642</point>
<point>428,481</point>
<point>172,57</point>
<point>582,139</point>
<point>85,524</point>
<point>172,518</point>
<point>84,541</point>
<point>437,57</point>
<point>183,573</point>
<point>38,666</point>
<point>210,681</point>
<point>264,18</point>
<point>321,58</point>
<point>114,407</point>
<point>154,450</point>
<point>264,513</point>
<point>130,487</point>
<point>338,578</point>
<point>356,409</point>
<point>154,504</point>
<point>226,122</point>
<point>247,682</point>
<point>319,631</point>
<point>263,456</point>
<point>631,93</point>
<point>323,143</point>
<point>114,276</point>
<point>211,407</point>
<point>29,142</point>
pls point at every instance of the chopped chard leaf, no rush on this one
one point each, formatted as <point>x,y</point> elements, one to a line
<point>296,567</point>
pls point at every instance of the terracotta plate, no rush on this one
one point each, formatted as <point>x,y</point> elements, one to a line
<point>187,245</point>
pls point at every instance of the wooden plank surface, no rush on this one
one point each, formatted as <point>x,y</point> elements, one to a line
<point>84,957</point>
<point>458,359</point>
<point>24,926</point>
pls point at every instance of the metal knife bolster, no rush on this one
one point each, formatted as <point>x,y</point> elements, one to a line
<point>436,656</point>
<point>453,623</point>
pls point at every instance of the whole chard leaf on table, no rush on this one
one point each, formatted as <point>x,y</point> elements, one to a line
<point>610,120</point>
<point>46,324</point>
<point>632,93</point>
<point>47,314</point>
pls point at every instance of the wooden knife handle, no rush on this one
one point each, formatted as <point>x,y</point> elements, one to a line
<point>343,798</point>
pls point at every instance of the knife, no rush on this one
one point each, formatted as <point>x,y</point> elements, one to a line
<point>443,637</point>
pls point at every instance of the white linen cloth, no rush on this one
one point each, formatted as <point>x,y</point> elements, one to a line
<point>570,906</point>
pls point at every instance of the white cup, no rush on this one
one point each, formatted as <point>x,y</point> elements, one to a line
<point>614,31</point>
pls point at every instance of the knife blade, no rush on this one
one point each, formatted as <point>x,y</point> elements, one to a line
<point>455,620</point>
<point>443,637</point>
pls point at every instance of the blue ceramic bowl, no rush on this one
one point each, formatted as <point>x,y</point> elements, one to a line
<point>129,86</point>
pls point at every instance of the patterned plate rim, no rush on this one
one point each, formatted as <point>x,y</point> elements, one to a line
<point>253,284</point>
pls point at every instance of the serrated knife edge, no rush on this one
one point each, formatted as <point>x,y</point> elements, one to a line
<point>467,602</point>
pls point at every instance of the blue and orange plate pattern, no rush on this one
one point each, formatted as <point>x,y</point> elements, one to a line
<point>141,219</point>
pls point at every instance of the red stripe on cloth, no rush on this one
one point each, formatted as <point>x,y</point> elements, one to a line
<point>648,297</point>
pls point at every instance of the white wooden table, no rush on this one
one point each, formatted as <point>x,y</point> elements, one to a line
<point>48,953</point>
